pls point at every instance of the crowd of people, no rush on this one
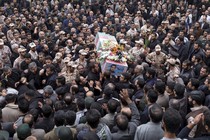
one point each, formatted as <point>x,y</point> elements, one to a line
<point>52,86</point>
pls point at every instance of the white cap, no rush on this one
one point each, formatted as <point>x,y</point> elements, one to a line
<point>21,50</point>
<point>122,41</point>
<point>157,48</point>
<point>83,52</point>
<point>140,42</point>
<point>32,44</point>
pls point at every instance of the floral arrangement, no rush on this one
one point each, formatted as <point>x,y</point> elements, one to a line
<point>115,53</point>
<point>107,44</point>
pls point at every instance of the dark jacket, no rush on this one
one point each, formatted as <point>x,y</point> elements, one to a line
<point>45,123</point>
<point>183,52</point>
<point>198,52</point>
<point>51,80</point>
<point>9,81</point>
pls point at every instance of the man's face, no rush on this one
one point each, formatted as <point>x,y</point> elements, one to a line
<point>22,53</point>
<point>48,71</point>
<point>207,53</point>
<point>136,70</point>
<point>181,34</point>
<point>82,56</point>
<point>203,72</point>
<point>46,48</point>
<point>104,29</point>
<point>24,41</point>
<point>166,40</point>
<point>81,69</point>
<point>178,42</point>
<point>112,69</point>
<point>159,29</point>
<point>28,60</point>
<point>48,61</point>
<point>190,101</point>
<point>184,66</point>
<point>57,29</point>
<point>196,46</point>
<point>33,69</point>
<point>157,52</point>
<point>189,85</point>
<point>192,38</point>
<point>41,58</point>
<point>207,83</point>
<point>16,36</point>
<point>46,95</point>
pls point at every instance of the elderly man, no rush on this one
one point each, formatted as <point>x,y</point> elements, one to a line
<point>49,93</point>
<point>157,59</point>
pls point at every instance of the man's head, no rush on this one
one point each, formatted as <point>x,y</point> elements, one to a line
<point>155,113</point>
<point>186,65</point>
<point>27,58</point>
<point>112,105</point>
<point>193,84</point>
<point>122,122</point>
<point>204,71</point>
<point>157,49</point>
<point>125,77</point>
<point>139,83</point>
<point>7,71</point>
<point>32,67</point>
<point>29,94</point>
<point>138,69</point>
<point>93,117</point>
<point>10,98</point>
<point>197,45</point>
<point>152,96</point>
<point>59,118</point>
<point>160,87</point>
<point>22,51</point>
<point>47,110</point>
<point>150,73</point>
<point>70,117</point>
<point>29,119</point>
<point>60,80</point>
<point>80,69</point>
<point>48,91</point>
<point>23,131</point>
<point>196,98</point>
<point>49,69</point>
<point>68,98</point>
<point>171,121</point>
<point>179,90</point>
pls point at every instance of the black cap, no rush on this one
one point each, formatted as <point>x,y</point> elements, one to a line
<point>197,95</point>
